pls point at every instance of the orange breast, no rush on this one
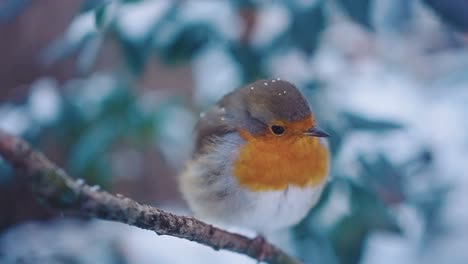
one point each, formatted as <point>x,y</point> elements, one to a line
<point>272,163</point>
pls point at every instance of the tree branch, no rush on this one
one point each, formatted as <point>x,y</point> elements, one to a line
<point>55,188</point>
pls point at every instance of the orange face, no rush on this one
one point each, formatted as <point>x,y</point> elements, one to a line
<point>272,161</point>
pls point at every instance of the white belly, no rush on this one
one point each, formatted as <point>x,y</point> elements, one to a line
<point>217,197</point>
<point>274,210</point>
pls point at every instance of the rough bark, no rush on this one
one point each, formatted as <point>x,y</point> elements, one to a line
<point>56,189</point>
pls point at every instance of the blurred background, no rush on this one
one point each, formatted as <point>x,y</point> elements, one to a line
<point>110,91</point>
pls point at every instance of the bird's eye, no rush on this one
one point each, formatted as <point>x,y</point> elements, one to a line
<point>277,130</point>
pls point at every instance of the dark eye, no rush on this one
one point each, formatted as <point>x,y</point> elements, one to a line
<point>277,130</point>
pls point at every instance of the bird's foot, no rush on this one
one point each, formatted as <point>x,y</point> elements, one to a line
<point>260,240</point>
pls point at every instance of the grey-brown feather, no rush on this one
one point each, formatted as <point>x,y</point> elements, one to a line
<point>272,100</point>
<point>253,108</point>
<point>208,183</point>
<point>211,125</point>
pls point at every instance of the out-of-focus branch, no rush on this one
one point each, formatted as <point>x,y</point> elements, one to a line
<point>56,189</point>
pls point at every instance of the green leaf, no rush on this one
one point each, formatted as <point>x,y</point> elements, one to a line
<point>187,43</point>
<point>250,60</point>
<point>313,245</point>
<point>348,239</point>
<point>240,4</point>
<point>86,157</point>
<point>373,214</point>
<point>99,15</point>
<point>383,178</point>
<point>304,32</point>
<point>452,12</point>
<point>358,122</point>
<point>359,11</point>
<point>136,54</point>
<point>432,205</point>
<point>307,26</point>
<point>88,5</point>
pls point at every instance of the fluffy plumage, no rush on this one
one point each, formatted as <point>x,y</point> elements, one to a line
<point>242,174</point>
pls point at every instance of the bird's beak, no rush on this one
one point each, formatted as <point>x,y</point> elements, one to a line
<point>316,132</point>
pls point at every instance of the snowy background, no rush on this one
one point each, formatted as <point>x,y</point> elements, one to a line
<point>121,85</point>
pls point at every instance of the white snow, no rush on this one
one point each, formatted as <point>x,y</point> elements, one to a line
<point>86,95</point>
<point>82,26</point>
<point>215,74</point>
<point>174,138</point>
<point>14,119</point>
<point>219,14</point>
<point>271,21</point>
<point>136,20</point>
<point>44,100</point>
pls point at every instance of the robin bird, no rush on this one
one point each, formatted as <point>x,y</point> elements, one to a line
<point>260,161</point>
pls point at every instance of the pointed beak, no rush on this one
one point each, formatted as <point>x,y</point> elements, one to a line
<point>316,132</point>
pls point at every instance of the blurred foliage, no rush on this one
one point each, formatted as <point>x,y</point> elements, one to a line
<point>104,110</point>
<point>359,10</point>
<point>9,9</point>
<point>306,27</point>
<point>453,12</point>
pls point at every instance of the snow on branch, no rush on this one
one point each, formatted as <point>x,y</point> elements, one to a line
<point>58,190</point>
